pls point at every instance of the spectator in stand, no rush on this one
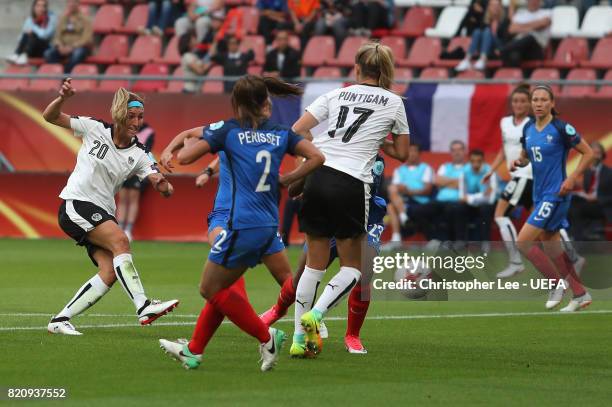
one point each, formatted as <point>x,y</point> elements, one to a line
<point>410,195</point>
<point>73,38</point>
<point>36,33</point>
<point>447,198</point>
<point>304,15</point>
<point>531,30</point>
<point>283,61</point>
<point>199,17</point>
<point>334,19</point>
<point>592,208</point>
<point>477,198</point>
<point>192,65</point>
<point>486,38</point>
<point>234,61</point>
<point>162,14</point>
<point>273,15</point>
<point>370,15</point>
<point>473,18</point>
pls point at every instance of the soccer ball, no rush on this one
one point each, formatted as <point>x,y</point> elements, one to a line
<point>416,275</point>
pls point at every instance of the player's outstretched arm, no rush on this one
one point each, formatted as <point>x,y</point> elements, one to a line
<point>585,162</point>
<point>207,173</point>
<point>314,159</point>
<point>192,150</point>
<point>176,144</point>
<point>499,158</point>
<point>161,184</point>
<point>304,124</point>
<point>398,147</point>
<point>53,113</point>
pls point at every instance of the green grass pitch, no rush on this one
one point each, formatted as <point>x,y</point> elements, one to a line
<point>422,355</point>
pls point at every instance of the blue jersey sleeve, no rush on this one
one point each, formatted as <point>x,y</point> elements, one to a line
<point>570,136</point>
<point>293,140</point>
<point>214,135</point>
<point>524,136</point>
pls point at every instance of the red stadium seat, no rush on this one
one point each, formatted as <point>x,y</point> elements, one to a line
<point>113,47</point>
<point>152,86</point>
<point>93,2</point>
<point>47,84</point>
<point>84,84</point>
<point>111,85</point>
<point>171,54</point>
<point>434,73</point>
<point>319,51</point>
<point>415,22</point>
<point>346,55</point>
<point>455,42</point>
<point>136,20</point>
<point>606,90</point>
<point>424,53</point>
<point>546,74</point>
<point>14,84</point>
<point>257,44</point>
<point>108,19</point>
<point>175,86</point>
<point>508,73</point>
<point>579,90</point>
<point>397,45</point>
<point>327,72</point>
<point>470,74</point>
<point>602,55</point>
<point>570,52</point>
<point>146,49</point>
<point>250,20</point>
<point>254,70</point>
<point>401,73</point>
<point>213,86</point>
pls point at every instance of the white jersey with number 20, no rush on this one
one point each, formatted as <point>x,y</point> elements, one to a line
<point>360,118</point>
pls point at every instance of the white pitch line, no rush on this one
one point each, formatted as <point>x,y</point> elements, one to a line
<point>376,317</point>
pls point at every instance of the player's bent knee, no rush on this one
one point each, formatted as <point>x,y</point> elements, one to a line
<point>120,244</point>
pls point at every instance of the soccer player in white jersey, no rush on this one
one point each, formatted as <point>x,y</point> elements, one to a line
<point>109,155</point>
<point>519,190</point>
<point>336,196</point>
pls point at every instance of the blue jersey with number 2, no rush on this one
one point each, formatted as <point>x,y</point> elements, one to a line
<point>252,161</point>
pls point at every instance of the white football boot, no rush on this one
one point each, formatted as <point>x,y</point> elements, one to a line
<point>180,351</point>
<point>270,350</point>
<point>578,303</point>
<point>62,328</point>
<point>155,309</point>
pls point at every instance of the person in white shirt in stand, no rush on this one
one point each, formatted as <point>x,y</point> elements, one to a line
<point>531,30</point>
<point>110,154</point>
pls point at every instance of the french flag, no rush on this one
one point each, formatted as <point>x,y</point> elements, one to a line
<point>440,113</point>
<point>437,113</point>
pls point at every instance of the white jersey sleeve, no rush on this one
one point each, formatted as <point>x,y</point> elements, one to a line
<point>319,108</point>
<point>146,166</point>
<point>401,121</point>
<point>82,125</point>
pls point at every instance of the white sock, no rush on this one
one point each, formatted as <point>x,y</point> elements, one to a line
<point>85,297</point>
<point>509,236</point>
<point>306,294</point>
<point>129,279</point>
<point>403,217</point>
<point>337,288</point>
<point>396,237</point>
<point>569,248</point>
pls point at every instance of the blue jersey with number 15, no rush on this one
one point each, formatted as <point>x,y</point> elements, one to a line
<point>547,151</point>
<point>253,159</point>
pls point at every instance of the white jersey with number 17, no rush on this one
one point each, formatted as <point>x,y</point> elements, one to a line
<point>360,118</point>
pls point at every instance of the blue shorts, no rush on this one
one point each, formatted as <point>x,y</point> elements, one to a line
<point>219,219</point>
<point>242,248</point>
<point>550,215</point>
<point>374,233</point>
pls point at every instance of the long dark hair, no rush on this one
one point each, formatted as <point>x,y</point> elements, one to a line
<point>251,93</point>
<point>46,10</point>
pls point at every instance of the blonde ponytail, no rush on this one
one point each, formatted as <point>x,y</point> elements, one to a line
<point>119,106</point>
<point>376,62</point>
